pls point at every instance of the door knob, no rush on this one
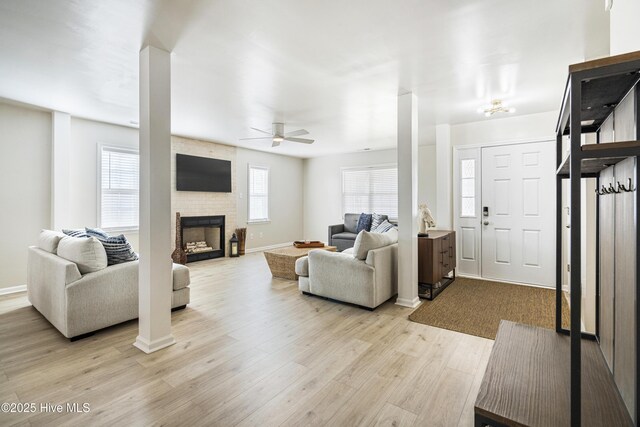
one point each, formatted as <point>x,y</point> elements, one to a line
<point>486,222</point>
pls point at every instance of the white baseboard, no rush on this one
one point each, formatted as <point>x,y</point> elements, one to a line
<point>13,290</point>
<point>266,248</point>
<point>149,347</point>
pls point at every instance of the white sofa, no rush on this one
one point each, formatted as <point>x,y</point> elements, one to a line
<point>342,276</point>
<point>79,304</point>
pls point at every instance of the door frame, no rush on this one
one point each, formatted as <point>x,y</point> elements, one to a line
<point>455,170</point>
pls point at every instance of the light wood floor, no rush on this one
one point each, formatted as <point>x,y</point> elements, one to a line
<point>250,351</point>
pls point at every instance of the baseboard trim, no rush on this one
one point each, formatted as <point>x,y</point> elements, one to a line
<point>13,290</point>
<point>149,347</point>
<point>510,282</point>
<point>266,248</point>
<point>410,303</point>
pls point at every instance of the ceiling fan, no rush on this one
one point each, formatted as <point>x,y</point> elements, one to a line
<point>277,135</point>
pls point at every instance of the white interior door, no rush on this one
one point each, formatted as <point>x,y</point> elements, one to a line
<point>518,213</point>
<point>466,206</point>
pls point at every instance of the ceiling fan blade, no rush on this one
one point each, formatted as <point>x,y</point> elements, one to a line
<point>298,132</point>
<point>262,131</point>
<point>261,137</point>
<point>303,140</point>
<point>275,143</point>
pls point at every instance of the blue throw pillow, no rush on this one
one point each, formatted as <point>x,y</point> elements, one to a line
<point>364,223</point>
<point>96,232</point>
<point>118,249</point>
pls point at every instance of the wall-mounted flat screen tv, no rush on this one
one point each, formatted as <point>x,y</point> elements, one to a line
<point>202,174</point>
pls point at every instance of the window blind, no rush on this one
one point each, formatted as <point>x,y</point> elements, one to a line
<point>370,190</point>
<point>258,193</point>
<point>119,198</point>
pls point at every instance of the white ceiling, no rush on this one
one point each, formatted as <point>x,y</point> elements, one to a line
<point>333,67</point>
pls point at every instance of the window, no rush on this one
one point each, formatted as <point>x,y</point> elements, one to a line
<point>258,194</point>
<point>369,190</point>
<point>119,175</point>
<point>468,188</point>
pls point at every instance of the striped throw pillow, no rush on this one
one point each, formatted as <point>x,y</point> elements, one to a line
<point>118,249</point>
<point>383,228</point>
<point>96,232</point>
<point>376,220</point>
<point>75,233</point>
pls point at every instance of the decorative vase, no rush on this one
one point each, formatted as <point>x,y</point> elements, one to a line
<point>179,256</point>
<point>242,238</point>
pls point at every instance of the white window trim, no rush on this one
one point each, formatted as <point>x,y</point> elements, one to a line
<point>100,147</point>
<point>359,168</point>
<point>268,219</point>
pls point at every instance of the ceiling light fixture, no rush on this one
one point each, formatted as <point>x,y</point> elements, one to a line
<point>496,107</point>
<point>278,139</point>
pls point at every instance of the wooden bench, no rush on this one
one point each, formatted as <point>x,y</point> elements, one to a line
<point>527,382</point>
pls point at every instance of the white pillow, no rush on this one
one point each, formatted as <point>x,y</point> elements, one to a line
<point>48,240</point>
<point>392,234</point>
<point>366,241</point>
<point>87,252</point>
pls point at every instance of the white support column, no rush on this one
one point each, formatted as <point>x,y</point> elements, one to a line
<point>443,177</point>
<point>60,181</point>
<point>408,201</point>
<point>155,280</point>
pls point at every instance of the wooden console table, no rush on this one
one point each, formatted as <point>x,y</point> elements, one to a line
<point>436,260</point>
<point>527,382</point>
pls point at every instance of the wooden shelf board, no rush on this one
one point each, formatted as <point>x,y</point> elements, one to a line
<point>610,145</point>
<point>592,163</point>
<point>603,62</point>
<point>527,381</point>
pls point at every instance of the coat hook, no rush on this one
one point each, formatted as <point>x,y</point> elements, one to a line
<point>628,188</point>
<point>612,190</point>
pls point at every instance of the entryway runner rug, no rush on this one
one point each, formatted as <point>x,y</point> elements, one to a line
<point>475,307</point>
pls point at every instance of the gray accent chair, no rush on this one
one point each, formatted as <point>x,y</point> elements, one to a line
<point>339,276</point>
<point>79,304</point>
<point>343,236</point>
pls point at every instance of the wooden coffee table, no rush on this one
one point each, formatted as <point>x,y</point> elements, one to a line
<point>282,262</point>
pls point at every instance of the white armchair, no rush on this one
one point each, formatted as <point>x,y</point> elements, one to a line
<point>79,304</point>
<point>341,276</point>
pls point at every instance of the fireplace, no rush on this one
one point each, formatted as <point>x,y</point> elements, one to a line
<point>203,237</point>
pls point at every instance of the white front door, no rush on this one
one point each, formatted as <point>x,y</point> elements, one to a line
<point>518,213</point>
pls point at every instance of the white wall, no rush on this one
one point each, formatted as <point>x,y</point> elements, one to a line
<point>86,136</point>
<point>517,128</point>
<point>323,185</point>
<point>286,182</point>
<point>624,28</point>
<point>25,173</point>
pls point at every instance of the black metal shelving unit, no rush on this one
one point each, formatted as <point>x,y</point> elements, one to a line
<point>593,89</point>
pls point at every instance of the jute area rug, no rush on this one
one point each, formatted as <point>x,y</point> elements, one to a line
<point>475,307</point>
